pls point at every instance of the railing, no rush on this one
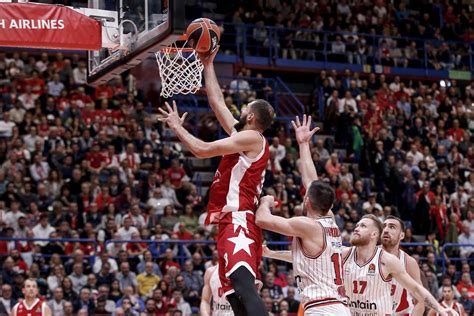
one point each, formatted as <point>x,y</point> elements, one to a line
<point>59,240</point>
<point>183,255</point>
<point>277,93</point>
<point>454,259</point>
<point>285,46</point>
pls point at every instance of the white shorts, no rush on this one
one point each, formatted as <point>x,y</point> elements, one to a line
<point>333,309</point>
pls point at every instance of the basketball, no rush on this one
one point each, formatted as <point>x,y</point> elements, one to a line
<point>204,35</point>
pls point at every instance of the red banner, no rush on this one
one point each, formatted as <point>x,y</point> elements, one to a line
<point>47,26</point>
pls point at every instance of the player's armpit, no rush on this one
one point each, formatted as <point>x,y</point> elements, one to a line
<point>239,142</point>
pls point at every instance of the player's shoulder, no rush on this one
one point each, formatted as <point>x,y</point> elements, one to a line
<point>390,261</point>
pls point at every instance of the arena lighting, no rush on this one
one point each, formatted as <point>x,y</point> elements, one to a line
<point>445,83</point>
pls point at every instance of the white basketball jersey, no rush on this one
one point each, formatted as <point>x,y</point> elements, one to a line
<point>319,278</point>
<point>369,293</point>
<point>220,306</point>
<point>454,305</point>
<point>402,299</point>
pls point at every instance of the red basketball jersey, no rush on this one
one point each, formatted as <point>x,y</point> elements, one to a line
<point>238,182</point>
<point>36,309</point>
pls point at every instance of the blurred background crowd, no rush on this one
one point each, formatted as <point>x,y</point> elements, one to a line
<point>117,202</point>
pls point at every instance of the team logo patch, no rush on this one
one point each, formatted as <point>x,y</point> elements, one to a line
<point>371,269</point>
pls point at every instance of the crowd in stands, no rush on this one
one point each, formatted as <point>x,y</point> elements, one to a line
<point>84,163</point>
<point>417,34</point>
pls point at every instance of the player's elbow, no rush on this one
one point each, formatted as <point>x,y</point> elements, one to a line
<point>200,150</point>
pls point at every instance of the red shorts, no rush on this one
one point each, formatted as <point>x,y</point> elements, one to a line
<point>239,244</point>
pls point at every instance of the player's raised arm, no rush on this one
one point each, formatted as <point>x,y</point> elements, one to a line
<point>304,134</point>
<point>391,266</point>
<point>300,226</point>
<point>244,141</point>
<point>214,94</point>
<point>205,307</point>
<point>414,271</point>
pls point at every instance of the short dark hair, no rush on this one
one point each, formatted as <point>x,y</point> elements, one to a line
<point>402,224</point>
<point>264,113</point>
<point>377,222</point>
<point>321,196</point>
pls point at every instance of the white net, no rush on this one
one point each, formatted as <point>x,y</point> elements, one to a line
<point>180,70</point>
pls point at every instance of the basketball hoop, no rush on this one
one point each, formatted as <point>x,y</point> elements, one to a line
<point>180,70</point>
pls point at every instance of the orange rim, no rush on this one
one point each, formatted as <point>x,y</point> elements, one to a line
<point>171,49</point>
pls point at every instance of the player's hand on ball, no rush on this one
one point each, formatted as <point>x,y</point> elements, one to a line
<point>303,130</point>
<point>171,117</point>
<point>208,58</point>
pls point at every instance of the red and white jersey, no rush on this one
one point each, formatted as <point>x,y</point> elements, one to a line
<point>453,305</point>
<point>402,299</point>
<point>319,278</point>
<point>238,182</point>
<point>368,291</point>
<point>220,305</point>
<point>36,309</point>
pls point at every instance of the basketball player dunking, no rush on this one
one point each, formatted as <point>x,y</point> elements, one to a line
<point>449,301</point>
<point>368,273</point>
<point>236,187</point>
<point>31,305</point>
<point>213,302</point>
<point>393,233</point>
<point>317,246</point>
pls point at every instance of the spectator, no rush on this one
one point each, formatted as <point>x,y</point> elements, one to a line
<point>78,278</point>
<point>333,167</point>
<point>57,302</point>
<point>147,280</point>
<point>192,278</point>
<point>279,149</point>
<point>6,300</point>
<point>79,74</point>
<point>466,283</point>
<point>466,238</point>
<point>126,277</point>
<point>466,301</point>
<point>84,302</point>
<point>181,304</point>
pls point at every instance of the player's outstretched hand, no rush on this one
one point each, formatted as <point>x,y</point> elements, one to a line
<point>208,58</point>
<point>266,252</point>
<point>303,131</point>
<point>171,117</point>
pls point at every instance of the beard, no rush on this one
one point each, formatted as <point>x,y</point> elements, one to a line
<point>388,242</point>
<point>358,240</point>
<point>241,123</point>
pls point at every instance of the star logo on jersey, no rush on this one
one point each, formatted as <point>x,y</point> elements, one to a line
<point>241,242</point>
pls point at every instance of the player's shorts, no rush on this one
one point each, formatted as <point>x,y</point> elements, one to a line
<point>239,244</point>
<point>338,309</point>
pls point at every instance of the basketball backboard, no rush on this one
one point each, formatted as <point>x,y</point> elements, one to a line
<point>145,26</point>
